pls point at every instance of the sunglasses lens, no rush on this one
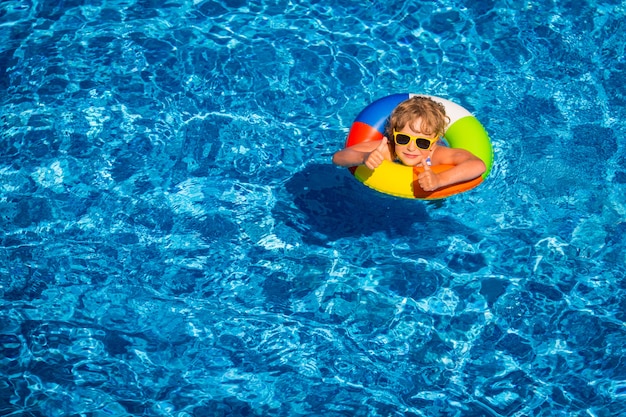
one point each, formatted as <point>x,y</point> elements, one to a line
<point>422,143</point>
<point>402,139</point>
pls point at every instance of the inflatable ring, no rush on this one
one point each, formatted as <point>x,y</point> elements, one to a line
<point>464,131</point>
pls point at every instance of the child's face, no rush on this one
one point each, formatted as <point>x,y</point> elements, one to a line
<point>410,154</point>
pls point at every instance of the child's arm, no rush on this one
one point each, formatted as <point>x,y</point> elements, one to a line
<point>466,167</point>
<point>370,154</point>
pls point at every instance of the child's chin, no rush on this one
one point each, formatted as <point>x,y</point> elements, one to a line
<point>409,162</point>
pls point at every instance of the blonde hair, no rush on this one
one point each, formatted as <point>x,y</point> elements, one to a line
<point>430,114</point>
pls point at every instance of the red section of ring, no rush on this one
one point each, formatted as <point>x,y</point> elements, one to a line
<point>361,132</point>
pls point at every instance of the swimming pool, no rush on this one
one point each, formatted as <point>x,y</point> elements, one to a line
<point>176,242</point>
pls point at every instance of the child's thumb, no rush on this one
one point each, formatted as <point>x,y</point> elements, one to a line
<point>426,164</point>
<point>383,144</point>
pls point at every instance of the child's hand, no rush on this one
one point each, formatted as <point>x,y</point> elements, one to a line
<point>428,180</point>
<point>376,157</point>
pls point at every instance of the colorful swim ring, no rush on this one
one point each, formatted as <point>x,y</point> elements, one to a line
<point>464,131</point>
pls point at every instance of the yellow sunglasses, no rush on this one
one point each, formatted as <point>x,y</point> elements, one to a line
<point>404,139</point>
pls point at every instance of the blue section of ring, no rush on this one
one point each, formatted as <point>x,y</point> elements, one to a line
<point>377,113</point>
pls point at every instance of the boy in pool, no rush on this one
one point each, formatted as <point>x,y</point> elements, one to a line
<point>416,126</point>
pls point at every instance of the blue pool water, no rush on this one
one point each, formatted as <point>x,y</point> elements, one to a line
<point>175,241</point>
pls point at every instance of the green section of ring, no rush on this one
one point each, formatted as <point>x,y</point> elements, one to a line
<point>469,134</point>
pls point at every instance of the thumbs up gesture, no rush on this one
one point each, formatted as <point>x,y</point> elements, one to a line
<point>377,156</point>
<point>428,180</point>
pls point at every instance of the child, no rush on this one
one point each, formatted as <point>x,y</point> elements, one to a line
<point>416,126</point>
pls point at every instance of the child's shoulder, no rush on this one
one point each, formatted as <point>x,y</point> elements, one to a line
<point>443,150</point>
<point>452,156</point>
